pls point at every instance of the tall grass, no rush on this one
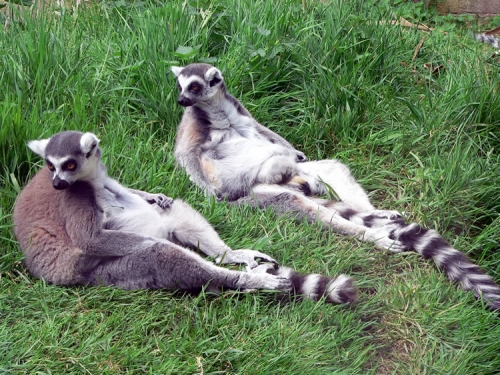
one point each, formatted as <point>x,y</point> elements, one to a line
<point>336,80</point>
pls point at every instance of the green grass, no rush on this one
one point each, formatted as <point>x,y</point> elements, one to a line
<point>335,82</point>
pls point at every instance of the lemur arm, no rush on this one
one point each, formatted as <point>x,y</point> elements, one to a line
<point>161,200</point>
<point>188,157</point>
<point>275,138</point>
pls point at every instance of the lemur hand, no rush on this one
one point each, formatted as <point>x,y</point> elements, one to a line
<point>161,200</point>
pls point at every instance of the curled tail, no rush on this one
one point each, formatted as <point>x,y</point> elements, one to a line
<point>340,289</point>
<point>455,264</point>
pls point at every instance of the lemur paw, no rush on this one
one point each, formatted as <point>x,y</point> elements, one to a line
<point>161,200</point>
<point>280,174</point>
<point>270,281</point>
<point>380,218</point>
<point>300,157</point>
<point>244,256</point>
<point>266,268</point>
<point>388,214</point>
<point>392,245</point>
<point>277,170</point>
<point>384,239</point>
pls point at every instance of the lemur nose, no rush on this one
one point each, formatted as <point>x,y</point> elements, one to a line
<point>59,184</point>
<point>185,102</point>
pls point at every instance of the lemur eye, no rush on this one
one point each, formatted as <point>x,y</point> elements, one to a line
<point>50,166</point>
<point>179,87</point>
<point>70,166</point>
<point>194,88</point>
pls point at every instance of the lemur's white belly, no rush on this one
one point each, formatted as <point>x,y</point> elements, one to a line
<point>244,154</point>
<point>133,214</point>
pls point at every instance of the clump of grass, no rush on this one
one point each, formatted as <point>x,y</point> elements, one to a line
<point>333,78</point>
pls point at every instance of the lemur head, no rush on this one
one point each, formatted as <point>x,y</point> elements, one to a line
<point>197,83</point>
<point>71,156</point>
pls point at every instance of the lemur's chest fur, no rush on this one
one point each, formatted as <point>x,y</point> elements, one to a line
<point>228,125</point>
<point>124,210</point>
<point>232,134</point>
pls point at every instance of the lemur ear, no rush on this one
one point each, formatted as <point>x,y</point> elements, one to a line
<point>38,146</point>
<point>214,76</point>
<point>176,70</point>
<point>88,144</point>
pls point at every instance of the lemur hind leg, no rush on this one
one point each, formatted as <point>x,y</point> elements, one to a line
<point>165,265</point>
<point>284,200</point>
<point>187,227</point>
<point>354,204</point>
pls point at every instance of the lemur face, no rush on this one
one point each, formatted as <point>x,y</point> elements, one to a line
<point>71,156</point>
<point>197,83</point>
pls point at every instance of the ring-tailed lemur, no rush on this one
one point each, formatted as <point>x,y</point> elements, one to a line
<point>76,225</point>
<point>230,155</point>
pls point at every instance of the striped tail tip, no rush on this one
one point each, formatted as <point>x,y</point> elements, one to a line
<point>489,39</point>
<point>456,265</point>
<point>471,277</point>
<point>340,289</point>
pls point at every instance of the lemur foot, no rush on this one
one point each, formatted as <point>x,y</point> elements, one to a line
<point>384,239</point>
<point>388,214</point>
<point>380,218</point>
<point>244,256</point>
<point>269,281</point>
<point>392,245</point>
<point>277,170</point>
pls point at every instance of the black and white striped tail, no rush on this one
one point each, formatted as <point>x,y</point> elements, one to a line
<point>340,289</point>
<point>455,264</point>
<point>489,39</point>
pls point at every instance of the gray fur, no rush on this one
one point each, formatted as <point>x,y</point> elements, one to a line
<point>92,230</point>
<point>95,231</point>
<point>228,154</point>
<point>489,39</point>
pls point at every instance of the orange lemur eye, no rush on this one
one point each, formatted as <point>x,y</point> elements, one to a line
<point>50,166</point>
<point>194,88</point>
<point>70,165</point>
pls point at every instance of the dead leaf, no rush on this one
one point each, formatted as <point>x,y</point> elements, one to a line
<point>494,31</point>
<point>406,23</point>
<point>417,49</point>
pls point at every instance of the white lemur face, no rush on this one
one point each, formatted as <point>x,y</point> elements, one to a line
<point>70,156</point>
<point>197,83</point>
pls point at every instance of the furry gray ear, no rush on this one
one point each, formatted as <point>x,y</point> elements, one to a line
<point>213,75</point>
<point>88,143</point>
<point>176,70</point>
<point>38,146</point>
